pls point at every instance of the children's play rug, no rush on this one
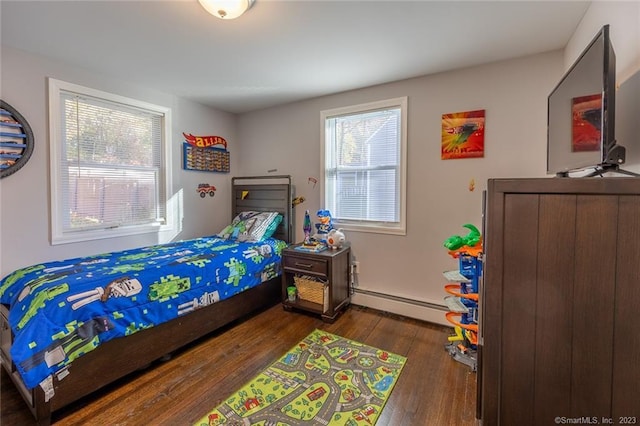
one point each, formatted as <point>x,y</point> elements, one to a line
<point>324,380</point>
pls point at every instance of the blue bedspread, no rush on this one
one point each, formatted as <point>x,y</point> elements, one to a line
<point>62,310</point>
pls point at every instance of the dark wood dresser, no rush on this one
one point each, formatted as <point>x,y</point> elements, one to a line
<point>560,302</point>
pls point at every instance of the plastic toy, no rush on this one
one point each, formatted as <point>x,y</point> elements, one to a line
<point>471,244</point>
<point>471,239</point>
<point>463,302</point>
<point>335,239</point>
<point>324,225</point>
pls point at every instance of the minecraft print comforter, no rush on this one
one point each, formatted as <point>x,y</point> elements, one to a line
<point>62,310</point>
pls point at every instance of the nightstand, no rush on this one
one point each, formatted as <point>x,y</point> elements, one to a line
<point>322,280</point>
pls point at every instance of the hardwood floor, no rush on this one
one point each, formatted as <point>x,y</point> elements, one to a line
<point>433,389</point>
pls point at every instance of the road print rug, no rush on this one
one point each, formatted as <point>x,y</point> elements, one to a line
<point>324,380</point>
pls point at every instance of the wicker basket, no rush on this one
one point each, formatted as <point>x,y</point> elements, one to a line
<point>310,288</point>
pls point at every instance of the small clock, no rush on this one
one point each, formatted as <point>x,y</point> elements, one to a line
<point>16,140</point>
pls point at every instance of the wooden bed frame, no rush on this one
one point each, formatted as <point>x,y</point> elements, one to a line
<point>119,357</point>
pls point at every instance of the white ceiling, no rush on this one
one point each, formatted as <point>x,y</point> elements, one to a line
<point>282,51</point>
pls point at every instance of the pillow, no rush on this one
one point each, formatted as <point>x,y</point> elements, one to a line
<point>252,226</point>
<point>271,228</point>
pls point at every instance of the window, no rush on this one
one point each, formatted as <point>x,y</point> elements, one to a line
<point>364,166</point>
<point>110,166</point>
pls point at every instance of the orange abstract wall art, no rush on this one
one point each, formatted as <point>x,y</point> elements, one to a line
<point>463,135</point>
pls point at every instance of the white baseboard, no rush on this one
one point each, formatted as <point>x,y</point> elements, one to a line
<point>399,307</point>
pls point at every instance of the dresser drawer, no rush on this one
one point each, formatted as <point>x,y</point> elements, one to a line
<point>305,264</point>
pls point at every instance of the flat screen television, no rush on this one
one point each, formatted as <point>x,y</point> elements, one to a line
<point>581,114</point>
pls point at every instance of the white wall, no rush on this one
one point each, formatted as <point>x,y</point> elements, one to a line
<point>514,95</point>
<point>24,195</point>
<point>624,29</point>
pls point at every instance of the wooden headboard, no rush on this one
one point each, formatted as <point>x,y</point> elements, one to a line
<point>265,194</point>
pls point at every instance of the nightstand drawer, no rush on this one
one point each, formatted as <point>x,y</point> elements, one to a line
<point>304,264</point>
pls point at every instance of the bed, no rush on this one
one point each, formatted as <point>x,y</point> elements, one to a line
<point>182,295</point>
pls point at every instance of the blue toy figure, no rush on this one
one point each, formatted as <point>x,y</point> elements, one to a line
<point>324,225</point>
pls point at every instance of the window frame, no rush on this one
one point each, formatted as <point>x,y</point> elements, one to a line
<point>56,141</point>
<point>394,228</point>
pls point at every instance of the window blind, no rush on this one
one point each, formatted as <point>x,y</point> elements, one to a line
<point>111,164</point>
<point>362,166</point>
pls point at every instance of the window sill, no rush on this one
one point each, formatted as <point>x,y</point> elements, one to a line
<point>80,236</point>
<point>373,229</point>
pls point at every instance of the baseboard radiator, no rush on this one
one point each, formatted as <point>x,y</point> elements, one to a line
<point>419,309</point>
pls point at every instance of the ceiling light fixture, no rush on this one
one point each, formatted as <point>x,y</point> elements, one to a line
<point>226,9</point>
